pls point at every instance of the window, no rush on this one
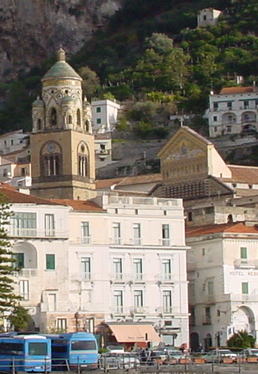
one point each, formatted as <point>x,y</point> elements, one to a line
<point>165,234</point>
<point>61,324</point>
<point>51,159</point>
<point>53,117</point>
<point>245,288</point>
<point>24,224</point>
<point>166,269</point>
<point>23,172</point>
<point>51,302</point>
<point>243,254</point>
<point>49,225</point>
<point>137,233</point>
<point>229,105</point>
<point>116,233</point>
<point>210,288</point>
<point>78,117</point>
<point>137,268</point>
<point>215,119</point>
<point>50,262</point>
<point>207,316</point>
<point>86,267</point>
<point>98,109</point>
<point>82,161</point>
<point>24,289</point>
<point>5,173</point>
<point>85,232</point>
<point>215,106</point>
<point>118,301</point>
<point>19,258</point>
<point>138,299</point>
<point>167,301</point>
<point>117,268</point>
<point>98,121</point>
<point>246,104</point>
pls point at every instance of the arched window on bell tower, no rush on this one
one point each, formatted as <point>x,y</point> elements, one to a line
<point>39,124</point>
<point>53,117</point>
<point>51,160</point>
<point>82,161</point>
<point>78,117</point>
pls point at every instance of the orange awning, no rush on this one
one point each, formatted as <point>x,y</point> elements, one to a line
<point>134,333</point>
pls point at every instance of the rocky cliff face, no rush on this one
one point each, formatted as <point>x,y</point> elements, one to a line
<point>32,30</point>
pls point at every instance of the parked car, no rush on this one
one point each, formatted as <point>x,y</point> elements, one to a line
<point>115,348</point>
<point>217,355</point>
<point>174,354</point>
<point>124,360</point>
<point>249,352</point>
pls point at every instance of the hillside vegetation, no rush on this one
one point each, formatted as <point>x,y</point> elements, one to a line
<point>152,57</point>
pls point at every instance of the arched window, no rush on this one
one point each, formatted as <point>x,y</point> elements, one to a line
<point>82,161</point>
<point>78,116</point>
<point>39,124</point>
<point>70,119</point>
<point>53,117</point>
<point>87,125</point>
<point>51,160</point>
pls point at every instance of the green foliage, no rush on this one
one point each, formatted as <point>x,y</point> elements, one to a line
<point>20,319</point>
<point>241,339</point>
<point>8,299</point>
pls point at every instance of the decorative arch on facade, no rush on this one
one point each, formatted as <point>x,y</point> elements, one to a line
<point>51,159</point>
<point>29,254</point>
<point>244,320</point>
<point>83,160</point>
<point>229,118</point>
<point>248,116</point>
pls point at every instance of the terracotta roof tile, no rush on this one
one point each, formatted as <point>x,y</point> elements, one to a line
<point>236,90</point>
<point>238,227</point>
<point>13,196</point>
<point>243,174</point>
<point>105,183</point>
<point>80,205</point>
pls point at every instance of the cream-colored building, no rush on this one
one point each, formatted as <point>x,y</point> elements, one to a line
<point>208,17</point>
<point>233,111</point>
<point>111,259</point>
<point>223,276</point>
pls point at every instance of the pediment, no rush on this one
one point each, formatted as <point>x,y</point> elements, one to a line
<point>184,145</point>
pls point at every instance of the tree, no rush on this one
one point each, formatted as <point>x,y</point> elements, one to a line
<point>20,319</point>
<point>241,339</point>
<point>8,299</point>
<point>91,82</point>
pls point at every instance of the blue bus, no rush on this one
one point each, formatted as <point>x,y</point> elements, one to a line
<point>28,353</point>
<point>73,350</point>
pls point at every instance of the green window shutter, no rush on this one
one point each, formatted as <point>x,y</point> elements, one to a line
<point>50,262</point>
<point>245,288</point>
<point>243,253</point>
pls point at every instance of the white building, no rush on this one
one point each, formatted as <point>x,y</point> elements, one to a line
<point>208,17</point>
<point>13,141</point>
<point>114,259</point>
<point>223,282</point>
<point>233,111</point>
<point>104,115</point>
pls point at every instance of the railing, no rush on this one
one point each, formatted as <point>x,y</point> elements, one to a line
<point>245,264</point>
<point>35,233</point>
<point>27,273</point>
<point>126,200</point>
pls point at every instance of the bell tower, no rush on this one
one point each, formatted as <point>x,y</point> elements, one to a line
<point>62,144</point>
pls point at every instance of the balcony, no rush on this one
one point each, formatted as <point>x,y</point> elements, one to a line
<point>245,264</point>
<point>26,273</point>
<point>14,232</point>
<point>138,310</point>
<point>243,298</point>
<point>118,310</point>
<point>164,278</point>
<point>86,240</point>
<point>118,277</point>
<point>207,321</point>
